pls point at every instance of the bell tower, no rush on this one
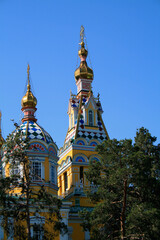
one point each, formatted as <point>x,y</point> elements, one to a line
<point>86,130</point>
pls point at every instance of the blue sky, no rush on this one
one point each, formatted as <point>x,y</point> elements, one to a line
<point>123,39</point>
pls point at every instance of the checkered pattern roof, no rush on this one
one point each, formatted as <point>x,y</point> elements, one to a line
<point>34,131</point>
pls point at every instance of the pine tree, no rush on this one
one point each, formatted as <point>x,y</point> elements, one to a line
<point>19,200</point>
<point>127,180</point>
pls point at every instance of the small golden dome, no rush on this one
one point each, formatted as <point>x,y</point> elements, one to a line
<point>83,71</point>
<point>82,51</point>
<point>29,100</point>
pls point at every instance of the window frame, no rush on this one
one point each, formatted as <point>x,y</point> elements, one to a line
<point>90,117</point>
<point>34,177</point>
<point>52,177</point>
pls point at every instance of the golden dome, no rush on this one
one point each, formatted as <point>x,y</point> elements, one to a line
<point>29,100</point>
<point>83,71</point>
<point>82,51</point>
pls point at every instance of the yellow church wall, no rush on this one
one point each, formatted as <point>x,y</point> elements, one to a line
<point>86,202</point>
<point>83,201</point>
<point>85,152</point>
<point>69,174</point>
<point>73,172</point>
<point>46,167</point>
<point>61,184</point>
<point>7,170</point>
<point>48,226</point>
<point>78,233</point>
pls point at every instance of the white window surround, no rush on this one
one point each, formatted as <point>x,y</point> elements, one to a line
<point>17,170</point>
<point>37,170</point>
<point>37,221</point>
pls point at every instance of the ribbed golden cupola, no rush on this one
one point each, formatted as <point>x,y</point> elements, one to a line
<point>29,100</point>
<point>83,71</point>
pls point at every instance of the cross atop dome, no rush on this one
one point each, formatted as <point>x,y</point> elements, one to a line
<point>82,34</point>
<point>28,75</point>
<point>29,101</point>
<point>83,74</point>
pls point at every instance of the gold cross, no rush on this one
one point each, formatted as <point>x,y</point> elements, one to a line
<point>28,68</point>
<point>82,33</point>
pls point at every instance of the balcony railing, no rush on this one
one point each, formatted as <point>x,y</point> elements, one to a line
<point>79,189</point>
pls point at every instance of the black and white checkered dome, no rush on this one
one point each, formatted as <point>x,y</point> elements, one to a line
<point>34,131</point>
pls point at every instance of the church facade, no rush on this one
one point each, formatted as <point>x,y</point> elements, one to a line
<point>64,170</point>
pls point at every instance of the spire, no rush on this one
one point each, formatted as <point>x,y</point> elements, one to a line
<point>82,33</point>
<point>83,73</point>
<point>29,101</point>
<point>28,75</point>
<point>82,52</point>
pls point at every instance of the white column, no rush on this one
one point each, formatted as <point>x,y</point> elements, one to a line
<point>87,235</point>
<point>65,214</point>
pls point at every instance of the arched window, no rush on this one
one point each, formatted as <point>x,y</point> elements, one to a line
<point>36,171</point>
<point>52,174</point>
<point>90,117</point>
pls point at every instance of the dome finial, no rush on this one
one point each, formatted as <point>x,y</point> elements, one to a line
<point>82,34</point>
<point>82,52</point>
<point>29,101</point>
<point>28,74</point>
<point>83,71</point>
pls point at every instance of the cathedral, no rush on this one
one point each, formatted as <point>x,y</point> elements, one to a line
<point>64,170</point>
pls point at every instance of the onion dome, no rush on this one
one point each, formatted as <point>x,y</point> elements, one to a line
<point>82,52</point>
<point>29,100</point>
<point>83,72</point>
<point>34,132</point>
